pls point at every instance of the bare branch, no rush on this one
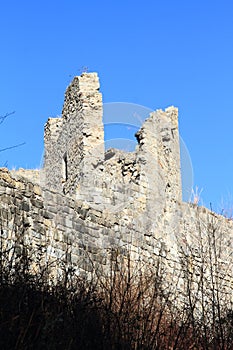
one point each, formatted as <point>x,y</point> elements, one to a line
<point>15,146</point>
<point>2,118</point>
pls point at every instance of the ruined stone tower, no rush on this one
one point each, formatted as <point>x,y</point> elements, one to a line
<point>147,180</point>
<point>75,143</point>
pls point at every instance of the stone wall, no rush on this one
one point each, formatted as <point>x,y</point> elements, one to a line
<point>86,202</point>
<point>64,231</point>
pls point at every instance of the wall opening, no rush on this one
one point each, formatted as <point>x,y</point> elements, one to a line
<point>65,167</point>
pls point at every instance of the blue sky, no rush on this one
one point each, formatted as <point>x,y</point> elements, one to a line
<point>152,53</point>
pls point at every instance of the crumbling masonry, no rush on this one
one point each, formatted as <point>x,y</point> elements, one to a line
<point>93,201</point>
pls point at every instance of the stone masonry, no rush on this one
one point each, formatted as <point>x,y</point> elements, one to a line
<point>85,201</point>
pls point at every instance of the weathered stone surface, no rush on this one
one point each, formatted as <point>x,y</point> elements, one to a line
<point>85,202</point>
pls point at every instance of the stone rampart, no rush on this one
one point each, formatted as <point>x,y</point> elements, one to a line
<point>87,202</point>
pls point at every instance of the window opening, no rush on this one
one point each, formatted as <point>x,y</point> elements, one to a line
<point>65,167</point>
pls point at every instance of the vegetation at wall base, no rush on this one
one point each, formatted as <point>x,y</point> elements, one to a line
<point>127,307</point>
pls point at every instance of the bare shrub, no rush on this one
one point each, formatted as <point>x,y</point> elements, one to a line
<point>127,305</point>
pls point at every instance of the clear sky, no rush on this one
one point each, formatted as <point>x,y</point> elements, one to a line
<point>153,53</point>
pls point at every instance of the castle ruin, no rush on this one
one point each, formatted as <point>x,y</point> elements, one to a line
<point>93,200</point>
